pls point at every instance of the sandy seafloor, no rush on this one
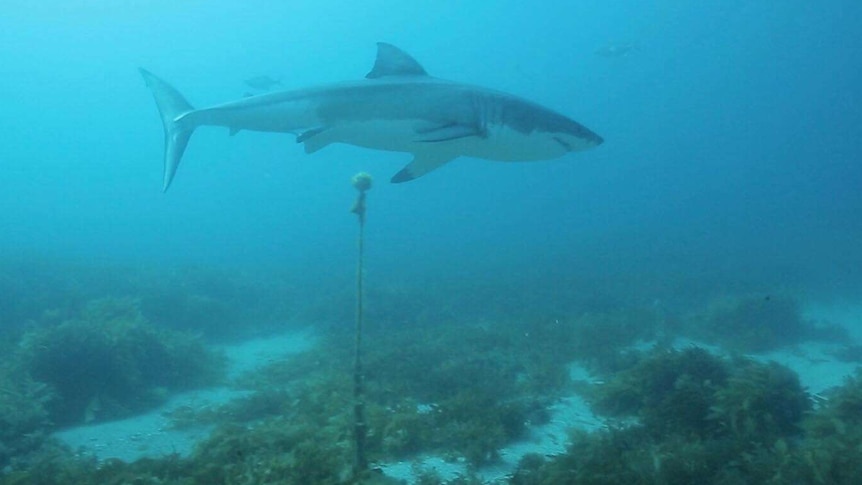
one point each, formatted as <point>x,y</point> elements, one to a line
<point>149,435</point>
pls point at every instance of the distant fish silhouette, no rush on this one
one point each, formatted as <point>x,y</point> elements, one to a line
<point>616,49</point>
<point>262,82</point>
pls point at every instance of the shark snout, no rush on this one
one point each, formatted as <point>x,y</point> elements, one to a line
<point>582,140</point>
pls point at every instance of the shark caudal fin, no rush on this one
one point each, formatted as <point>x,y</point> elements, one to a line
<point>172,105</point>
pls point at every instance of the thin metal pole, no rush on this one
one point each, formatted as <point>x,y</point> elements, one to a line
<point>362,182</point>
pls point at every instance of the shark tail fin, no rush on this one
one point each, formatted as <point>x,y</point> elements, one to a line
<point>172,106</point>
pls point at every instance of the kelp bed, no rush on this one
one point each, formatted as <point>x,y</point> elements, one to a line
<point>439,381</point>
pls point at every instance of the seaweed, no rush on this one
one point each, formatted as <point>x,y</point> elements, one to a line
<point>438,382</point>
<point>274,451</point>
<point>760,324</point>
<point>667,389</point>
<point>760,403</point>
<point>832,450</point>
<point>700,419</point>
<point>109,362</point>
<point>24,419</point>
<point>404,431</point>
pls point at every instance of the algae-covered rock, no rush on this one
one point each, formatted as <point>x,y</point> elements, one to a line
<point>832,449</point>
<point>760,402</point>
<point>109,362</point>
<point>699,418</point>
<point>24,417</point>
<point>667,390</point>
<point>759,324</point>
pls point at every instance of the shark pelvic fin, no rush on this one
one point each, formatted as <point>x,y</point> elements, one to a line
<point>392,61</point>
<point>422,163</point>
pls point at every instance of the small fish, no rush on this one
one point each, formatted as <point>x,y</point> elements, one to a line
<point>612,49</point>
<point>262,82</point>
<point>93,409</point>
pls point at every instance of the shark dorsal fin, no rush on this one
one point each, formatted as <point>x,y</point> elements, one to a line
<point>392,61</point>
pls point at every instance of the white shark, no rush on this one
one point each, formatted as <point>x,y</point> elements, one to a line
<point>398,107</point>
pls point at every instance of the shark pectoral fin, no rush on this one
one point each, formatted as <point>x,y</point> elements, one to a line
<point>422,163</point>
<point>311,141</point>
<point>233,131</point>
<point>446,132</point>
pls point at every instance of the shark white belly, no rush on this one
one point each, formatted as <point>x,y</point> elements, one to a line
<point>398,108</point>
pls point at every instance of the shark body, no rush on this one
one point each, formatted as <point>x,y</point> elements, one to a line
<point>398,107</point>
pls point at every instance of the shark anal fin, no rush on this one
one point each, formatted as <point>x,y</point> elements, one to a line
<point>311,141</point>
<point>446,132</point>
<point>422,163</point>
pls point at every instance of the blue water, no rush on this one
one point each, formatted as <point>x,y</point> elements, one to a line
<point>732,140</point>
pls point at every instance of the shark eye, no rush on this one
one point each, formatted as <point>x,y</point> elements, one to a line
<point>563,143</point>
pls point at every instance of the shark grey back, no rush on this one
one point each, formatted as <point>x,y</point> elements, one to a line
<point>398,107</point>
